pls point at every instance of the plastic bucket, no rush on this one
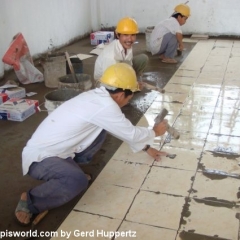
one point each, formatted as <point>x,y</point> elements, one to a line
<point>147,36</point>
<point>84,82</point>
<point>57,97</point>
<point>54,67</point>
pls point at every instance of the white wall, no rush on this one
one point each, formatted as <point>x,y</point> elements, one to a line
<point>45,24</point>
<point>53,23</point>
<point>212,17</point>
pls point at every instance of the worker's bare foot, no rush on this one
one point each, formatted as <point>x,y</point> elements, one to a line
<point>22,213</point>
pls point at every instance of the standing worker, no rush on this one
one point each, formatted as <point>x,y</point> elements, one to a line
<point>73,133</point>
<point>166,37</point>
<point>120,50</point>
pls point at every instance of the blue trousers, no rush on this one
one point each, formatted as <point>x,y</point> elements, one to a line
<point>63,178</point>
<point>169,45</point>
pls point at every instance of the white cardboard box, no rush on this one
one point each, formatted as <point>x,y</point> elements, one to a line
<point>16,109</point>
<point>15,92</point>
<point>101,37</point>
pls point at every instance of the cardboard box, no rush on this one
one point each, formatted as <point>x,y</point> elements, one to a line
<point>16,92</point>
<point>101,37</point>
<point>16,109</point>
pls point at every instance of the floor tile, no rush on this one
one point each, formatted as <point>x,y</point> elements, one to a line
<point>234,82</point>
<point>210,220</point>
<point>172,97</point>
<point>177,88</point>
<point>187,140</point>
<point>106,200</point>
<point>226,113</point>
<point>124,173</point>
<point>217,60</point>
<point>86,226</point>
<point>229,92</point>
<point>199,124</point>
<point>185,159</point>
<point>225,127</point>
<point>224,43</point>
<point>182,80</point>
<point>206,91</point>
<point>197,111</point>
<point>228,102</point>
<point>146,232</point>
<point>124,153</point>
<point>219,51</point>
<point>202,100</point>
<point>186,73</point>
<point>163,180</point>
<point>226,143</point>
<point>221,162</point>
<point>223,189</point>
<point>209,82</point>
<point>155,209</point>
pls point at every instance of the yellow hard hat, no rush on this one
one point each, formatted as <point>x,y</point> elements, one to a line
<point>127,25</point>
<point>120,75</point>
<point>184,9</point>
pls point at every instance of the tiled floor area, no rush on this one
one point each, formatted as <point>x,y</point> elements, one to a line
<point>192,196</point>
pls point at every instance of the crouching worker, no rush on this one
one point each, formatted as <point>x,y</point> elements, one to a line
<point>72,133</point>
<point>121,50</point>
<point>166,37</point>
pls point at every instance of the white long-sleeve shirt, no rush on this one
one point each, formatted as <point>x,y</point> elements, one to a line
<point>111,54</point>
<point>75,124</point>
<point>168,25</point>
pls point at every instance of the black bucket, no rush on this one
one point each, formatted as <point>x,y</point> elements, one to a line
<point>77,65</point>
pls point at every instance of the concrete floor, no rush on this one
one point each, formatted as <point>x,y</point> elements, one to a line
<point>193,196</point>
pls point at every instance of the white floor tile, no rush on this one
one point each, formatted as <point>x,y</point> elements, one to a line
<point>229,143</point>
<point>225,127</point>
<point>106,200</point>
<point>188,140</point>
<point>145,232</point>
<point>224,162</point>
<point>177,88</point>
<point>124,153</point>
<point>186,73</point>
<point>185,159</point>
<point>212,220</point>
<point>216,189</point>
<point>163,180</point>
<point>182,80</point>
<point>199,124</point>
<point>124,173</point>
<point>158,210</point>
<point>86,226</point>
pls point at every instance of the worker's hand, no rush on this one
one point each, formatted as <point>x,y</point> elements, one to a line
<point>181,47</point>
<point>154,153</point>
<point>160,128</point>
<point>141,85</point>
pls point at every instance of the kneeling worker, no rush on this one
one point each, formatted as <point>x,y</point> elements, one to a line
<point>72,133</point>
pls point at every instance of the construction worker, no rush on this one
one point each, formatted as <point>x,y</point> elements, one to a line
<point>72,133</point>
<point>166,36</point>
<point>120,50</point>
